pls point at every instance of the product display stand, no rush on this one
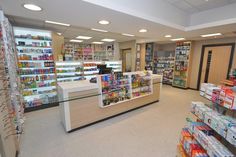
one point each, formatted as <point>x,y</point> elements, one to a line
<point>138,57</point>
<point>11,106</point>
<point>212,135</point>
<point>88,52</point>
<point>119,87</point>
<point>69,71</point>
<point>182,62</point>
<point>164,65</point>
<point>36,66</point>
<point>149,56</point>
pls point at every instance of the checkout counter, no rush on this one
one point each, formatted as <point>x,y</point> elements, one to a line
<point>83,103</point>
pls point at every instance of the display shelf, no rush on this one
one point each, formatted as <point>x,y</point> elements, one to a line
<point>138,57</point>
<point>149,56</point>
<point>214,132</point>
<point>11,104</point>
<point>117,88</point>
<point>115,65</point>
<point>69,71</point>
<point>36,64</point>
<point>181,68</point>
<point>164,65</point>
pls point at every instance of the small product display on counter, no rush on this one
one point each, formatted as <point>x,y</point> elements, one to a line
<point>119,87</point>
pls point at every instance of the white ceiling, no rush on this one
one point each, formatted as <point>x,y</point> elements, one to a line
<point>193,6</point>
<point>126,16</point>
<point>68,32</point>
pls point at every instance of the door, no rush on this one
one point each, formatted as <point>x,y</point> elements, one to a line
<point>126,60</point>
<point>215,64</point>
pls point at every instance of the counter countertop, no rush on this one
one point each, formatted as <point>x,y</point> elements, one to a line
<point>77,86</point>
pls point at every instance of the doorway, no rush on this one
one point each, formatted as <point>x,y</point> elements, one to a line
<point>126,60</point>
<point>216,62</point>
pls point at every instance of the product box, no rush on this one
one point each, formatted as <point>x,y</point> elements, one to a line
<point>194,104</point>
<point>212,119</point>
<point>215,96</point>
<point>230,101</point>
<point>224,90</point>
<point>216,149</point>
<point>223,125</point>
<point>209,91</point>
<point>231,135</point>
<point>204,87</point>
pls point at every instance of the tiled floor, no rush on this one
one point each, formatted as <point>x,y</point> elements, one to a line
<point>152,131</point>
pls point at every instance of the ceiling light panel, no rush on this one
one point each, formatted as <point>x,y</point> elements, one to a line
<point>103,22</point>
<point>108,40</point>
<point>211,35</point>
<point>99,30</point>
<point>76,41</point>
<point>83,37</point>
<point>177,39</point>
<point>32,7</point>
<point>129,35</point>
<point>168,36</point>
<point>98,42</point>
<point>142,30</point>
<point>58,23</point>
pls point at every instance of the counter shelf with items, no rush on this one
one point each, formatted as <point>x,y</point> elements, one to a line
<point>118,87</point>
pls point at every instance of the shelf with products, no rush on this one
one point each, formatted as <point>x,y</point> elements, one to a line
<point>115,65</point>
<point>149,56</point>
<point>118,87</point>
<point>141,84</point>
<point>223,126</point>
<point>90,68</point>
<point>111,90</point>
<point>138,57</point>
<point>202,136</point>
<point>182,62</point>
<point>69,71</point>
<point>36,64</point>
<point>11,104</point>
<point>164,62</point>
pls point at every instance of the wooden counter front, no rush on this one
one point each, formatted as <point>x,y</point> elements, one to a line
<point>83,108</point>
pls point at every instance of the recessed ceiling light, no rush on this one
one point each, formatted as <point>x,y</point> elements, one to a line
<point>57,23</point>
<point>76,41</point>
<point>32,7</point>
<point>99,30</point>
<point>129,35</point>
<point>177,39</point>
<point>103,22</point>
<point>59,33</point>
<point>97,42</point>
<point>142,30</point>
<point>83,37</point>
<point>168,36</point>
<point>210,35</point>
<point>108,40</point>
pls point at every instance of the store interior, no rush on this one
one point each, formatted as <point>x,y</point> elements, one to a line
<point>100,78</point>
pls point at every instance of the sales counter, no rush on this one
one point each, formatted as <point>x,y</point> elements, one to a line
<point>83,103</point>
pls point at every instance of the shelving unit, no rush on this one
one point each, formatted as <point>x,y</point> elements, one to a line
<point>69,71</point>
<point>90,69</point>
<point>36,66</point>
<point>182,62</point>
<point>138,57</point>
<point>164,65</point>
<point>119,87</point>
<point>149,56</point>
<point>88,52</point>
<point>11,104</point>
<point>115,65</point>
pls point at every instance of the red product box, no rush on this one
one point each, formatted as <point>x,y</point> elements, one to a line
<point>230,101</point>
